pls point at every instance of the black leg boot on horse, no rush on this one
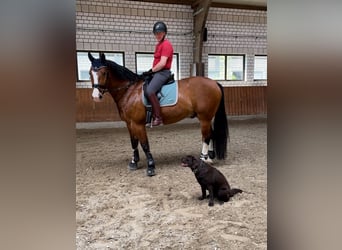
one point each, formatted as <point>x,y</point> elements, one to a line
<point>157,119</point>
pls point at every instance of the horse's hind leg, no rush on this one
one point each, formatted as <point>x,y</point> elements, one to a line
<point>207,153</point>
<point>133,165</point>
<point>211,152</point>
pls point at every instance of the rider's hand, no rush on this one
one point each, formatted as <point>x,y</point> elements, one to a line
<point>147,73</point>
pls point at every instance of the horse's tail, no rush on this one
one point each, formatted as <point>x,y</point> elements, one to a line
<point>221,132</point>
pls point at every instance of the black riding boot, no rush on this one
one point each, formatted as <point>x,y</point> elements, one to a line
<point>157,119</point>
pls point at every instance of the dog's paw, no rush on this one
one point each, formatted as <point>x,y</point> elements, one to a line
<point>201,198</point>
<point>211,203</point>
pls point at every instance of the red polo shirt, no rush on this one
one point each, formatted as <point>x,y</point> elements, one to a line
<point>163,48</point>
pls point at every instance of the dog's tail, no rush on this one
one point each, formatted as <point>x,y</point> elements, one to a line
<point>234,191</point>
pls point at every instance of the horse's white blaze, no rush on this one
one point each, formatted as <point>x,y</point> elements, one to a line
<point>96,93</point>
<point>95,78</point>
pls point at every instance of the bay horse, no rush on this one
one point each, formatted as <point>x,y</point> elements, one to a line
<point>197,97</point>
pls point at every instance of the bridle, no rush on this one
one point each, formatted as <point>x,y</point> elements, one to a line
<point>102,88</point>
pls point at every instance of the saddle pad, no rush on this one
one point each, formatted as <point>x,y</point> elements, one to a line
<point>167,96</point>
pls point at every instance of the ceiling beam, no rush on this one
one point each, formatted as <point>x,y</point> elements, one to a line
<point>195,3</point>
<point>238,6</point>
<point>184,2</point>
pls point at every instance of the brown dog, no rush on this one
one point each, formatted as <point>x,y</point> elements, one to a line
<point>210,178</point>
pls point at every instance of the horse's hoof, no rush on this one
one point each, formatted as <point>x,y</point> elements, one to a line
<point>206,159</point>
<point>133,166</point>
<point>150,172</point>
<point>211,154</point>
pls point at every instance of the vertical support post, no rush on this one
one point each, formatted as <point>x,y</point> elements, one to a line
<point>200,14</point>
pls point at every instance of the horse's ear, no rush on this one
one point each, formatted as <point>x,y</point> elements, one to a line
<point>90,56</point>
<point>102,57</point>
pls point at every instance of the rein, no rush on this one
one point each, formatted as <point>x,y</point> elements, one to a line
<point>123,87</point>
<point>102,89</point>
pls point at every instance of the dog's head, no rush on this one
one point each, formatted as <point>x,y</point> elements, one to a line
<point>190,162</point>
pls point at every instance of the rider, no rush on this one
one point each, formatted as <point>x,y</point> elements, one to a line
<point>160,70</point>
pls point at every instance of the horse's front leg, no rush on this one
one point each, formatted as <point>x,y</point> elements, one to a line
<point>150,161</point>
<point>133,165</point>
<point>140,133</point>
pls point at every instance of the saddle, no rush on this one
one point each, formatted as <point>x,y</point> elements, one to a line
<point>167,95</point>
<point>170,80</point>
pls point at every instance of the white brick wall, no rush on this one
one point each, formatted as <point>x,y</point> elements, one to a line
<point>235,31</point>
<point>119,25</point>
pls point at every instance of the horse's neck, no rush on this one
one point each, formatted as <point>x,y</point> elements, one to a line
<point>122,93</point>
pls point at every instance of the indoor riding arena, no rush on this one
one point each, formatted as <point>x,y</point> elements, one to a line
<point>118,208</point>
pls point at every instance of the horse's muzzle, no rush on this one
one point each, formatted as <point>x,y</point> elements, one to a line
<point>97,96</point>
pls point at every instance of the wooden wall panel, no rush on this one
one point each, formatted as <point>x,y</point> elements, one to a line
<point>245,100</point>
<point>238,101</point>
<point>89,111</point>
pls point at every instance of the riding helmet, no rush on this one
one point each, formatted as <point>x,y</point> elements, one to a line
<point>159,27</point>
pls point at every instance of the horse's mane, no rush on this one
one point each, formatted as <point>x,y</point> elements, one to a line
<point>122,73</point>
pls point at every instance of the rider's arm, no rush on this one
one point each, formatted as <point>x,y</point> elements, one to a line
<point>160,65</point>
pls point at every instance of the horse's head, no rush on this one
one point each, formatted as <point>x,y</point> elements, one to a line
<point>98,74</point>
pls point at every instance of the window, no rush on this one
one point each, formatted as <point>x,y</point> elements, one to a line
<point>260,67</point>
<point>235,68</point>
<point>144,63</point>
<point>83,63</point>
<point>216,67</point>
<point>226,67</point>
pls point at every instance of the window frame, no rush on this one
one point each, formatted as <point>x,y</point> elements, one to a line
<point>226,65</point>
<point>96,54</point>
<point>177,77</point>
